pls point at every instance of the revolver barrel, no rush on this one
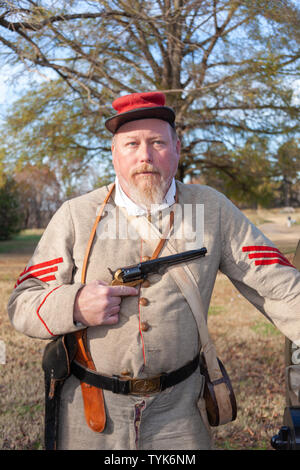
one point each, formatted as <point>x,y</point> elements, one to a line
<point>135,274</point>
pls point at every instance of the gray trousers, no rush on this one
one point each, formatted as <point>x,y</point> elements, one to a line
<point>169,420</point>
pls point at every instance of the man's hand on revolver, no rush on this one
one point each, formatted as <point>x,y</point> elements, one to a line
<point>98,303</point>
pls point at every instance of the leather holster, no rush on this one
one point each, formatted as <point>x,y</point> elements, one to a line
<point>57,359</point>
<point>58,355</point>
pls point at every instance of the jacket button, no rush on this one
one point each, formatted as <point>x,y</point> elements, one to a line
<point>143,301</point>
<point>145,283</point>
<point>145,326</point>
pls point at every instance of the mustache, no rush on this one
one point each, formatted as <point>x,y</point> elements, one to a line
<point>145,168</point>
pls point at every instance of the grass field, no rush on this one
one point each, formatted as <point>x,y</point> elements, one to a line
<point>249,346</point>
<point>21,378</point>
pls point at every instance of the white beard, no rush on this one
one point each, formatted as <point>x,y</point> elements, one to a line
<point>149,194</point>
<point>151,190</point>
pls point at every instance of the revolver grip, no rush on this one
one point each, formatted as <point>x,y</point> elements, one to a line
<point>118,280</point>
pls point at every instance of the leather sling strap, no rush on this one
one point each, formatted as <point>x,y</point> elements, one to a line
<point>93,399</point>
<point>185,280</point>
<point>92,235</point>
<point>164,237</point>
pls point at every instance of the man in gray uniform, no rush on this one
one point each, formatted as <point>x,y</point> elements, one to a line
<point>148,330</point>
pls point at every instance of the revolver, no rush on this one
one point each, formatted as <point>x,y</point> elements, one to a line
<point>137,273</point>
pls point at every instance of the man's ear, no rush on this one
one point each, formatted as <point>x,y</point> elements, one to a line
<point>113,143</point>
<point>112,147</point>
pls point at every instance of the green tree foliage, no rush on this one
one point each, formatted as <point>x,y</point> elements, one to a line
<point>10,213</point>
<point>50,127</point>
<point>226,66</point>
<point>246,175</point>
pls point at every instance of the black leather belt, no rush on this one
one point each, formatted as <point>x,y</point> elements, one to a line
<point>134,386</point>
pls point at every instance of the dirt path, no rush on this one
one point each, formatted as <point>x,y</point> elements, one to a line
<point>274,224</point>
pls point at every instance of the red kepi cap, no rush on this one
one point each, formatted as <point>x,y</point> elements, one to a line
<point>140,106</point>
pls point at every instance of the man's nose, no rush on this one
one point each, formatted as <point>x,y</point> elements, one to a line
<point>145,153</point>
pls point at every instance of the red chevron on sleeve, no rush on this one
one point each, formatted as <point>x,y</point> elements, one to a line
<point>35,271</point>
<point>266,255</point>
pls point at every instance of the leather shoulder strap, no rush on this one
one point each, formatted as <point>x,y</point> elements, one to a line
<point>92,235</point>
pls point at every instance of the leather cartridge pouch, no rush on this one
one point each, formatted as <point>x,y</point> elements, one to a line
<point>218,393</point>
<point>93,400</point>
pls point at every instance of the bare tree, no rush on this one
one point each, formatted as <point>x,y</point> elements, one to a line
<point>225,65</point>
<point>40,195</point>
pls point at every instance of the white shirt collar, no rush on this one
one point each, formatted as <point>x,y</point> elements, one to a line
<point>122,200</point>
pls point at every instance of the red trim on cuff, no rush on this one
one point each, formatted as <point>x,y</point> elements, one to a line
<point>38,310</point>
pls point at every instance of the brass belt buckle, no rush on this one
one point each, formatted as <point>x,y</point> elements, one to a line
<point>142,386</point>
